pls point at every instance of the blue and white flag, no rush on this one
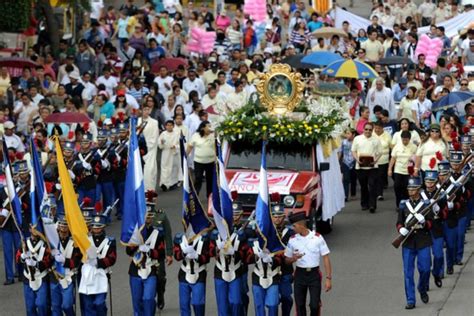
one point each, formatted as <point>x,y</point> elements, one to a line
<point>267,234</point>
<point>40,205</point>
<point>195,219</point>
<point>221,202</point>
<point>134,205</point>
<point>12,195</point>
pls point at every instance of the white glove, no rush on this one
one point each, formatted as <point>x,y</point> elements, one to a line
<point>105,164</point>
<point>435,208</point>
<point>192,255</point>
<point>54,252</point>
<point>25,255</point>
<point>144,248</point>
<point>118,156</point>
<point>4,212</point>
<point>229,251</point>
<point>220,244</point>
<point>265,256</point>
<point>30,262</point>
<point>420,218</point>
<point>86,165</point>
<point>188,249</point>
<point>59,258</point>
<point>450,205</point>
<point>403,231</point>
<point>58,186</point>
<point>408,219</point>
<point>71,174</point>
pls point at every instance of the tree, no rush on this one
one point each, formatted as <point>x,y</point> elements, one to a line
<point>14,15</point>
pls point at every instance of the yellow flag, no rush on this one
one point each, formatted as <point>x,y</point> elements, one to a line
<point>74,218</point>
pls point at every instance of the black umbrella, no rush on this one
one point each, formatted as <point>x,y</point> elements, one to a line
<point>295,62</point>
<point>395,60</point>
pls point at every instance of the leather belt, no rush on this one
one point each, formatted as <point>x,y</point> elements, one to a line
<point>308,269</point>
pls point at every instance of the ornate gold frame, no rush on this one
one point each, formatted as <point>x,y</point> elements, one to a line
<point>280,104</point>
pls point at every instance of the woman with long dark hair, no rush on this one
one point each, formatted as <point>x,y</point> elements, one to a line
<point>395,51</point>
<point>203,145</point>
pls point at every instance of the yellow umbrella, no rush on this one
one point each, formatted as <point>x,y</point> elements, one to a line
<point>350,69</point>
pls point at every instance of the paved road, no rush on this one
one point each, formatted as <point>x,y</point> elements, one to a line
<point>367,276</point>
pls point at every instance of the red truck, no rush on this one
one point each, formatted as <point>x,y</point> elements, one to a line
<point>292,171</point>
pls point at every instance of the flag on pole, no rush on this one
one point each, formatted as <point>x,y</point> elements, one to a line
<point>267,234</point>
<point>12,195</point>
<point>74,218</point>
<point>40,197</point>
<point>221,202</point>
<point>134,205</point>
<point>195,219</point>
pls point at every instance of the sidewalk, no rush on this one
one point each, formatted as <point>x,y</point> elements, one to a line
<point>460,299</point>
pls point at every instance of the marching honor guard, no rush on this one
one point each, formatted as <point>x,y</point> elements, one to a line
<point>417,245</point>
<point>20,169</point>
<point>10,242</point>
<point>266,278</point>
<point>144,264</point>
<point>431,177</point>
<point>457,215</point>
<point>105,180</point>
<point>96,271</point>
<point>230,267</point>
<point>37,261</point>
<point>305,249</point>
<point>194,257</point>
<point>286,279</point>
<point>119,137</point>
<point>162,223</point>
<point>69,256</point>
<point>86,168</point>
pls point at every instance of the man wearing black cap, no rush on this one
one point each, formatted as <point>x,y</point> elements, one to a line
<point>87,166</point>
<point>144,264</point>
<point>69,256</point>
<point>94,289</point>
<point>417,245</point>
<point>305,249</point>
<point>285,233</point>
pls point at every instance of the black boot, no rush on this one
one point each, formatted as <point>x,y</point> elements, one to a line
<point>410,306</point>
<point>424,297</point>
<point>438,281</point>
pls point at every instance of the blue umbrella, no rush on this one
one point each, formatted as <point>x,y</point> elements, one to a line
<point>452,99</point>
<point>321,58</point>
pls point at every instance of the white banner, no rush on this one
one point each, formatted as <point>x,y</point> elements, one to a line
<point>451,26</point>
<point>248,182</point>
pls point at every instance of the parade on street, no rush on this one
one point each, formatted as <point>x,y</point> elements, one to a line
<point>236,158</point>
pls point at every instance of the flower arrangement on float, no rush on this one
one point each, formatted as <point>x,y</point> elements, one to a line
<point>312,121</point>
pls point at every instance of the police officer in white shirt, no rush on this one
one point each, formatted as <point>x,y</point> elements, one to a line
<point>305,249</point>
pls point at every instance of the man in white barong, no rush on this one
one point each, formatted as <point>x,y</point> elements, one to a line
<point>151,133</point>
<point>170,158</point>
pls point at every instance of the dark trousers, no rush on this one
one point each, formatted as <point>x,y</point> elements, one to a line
<point>400,182</point>
<point>382,179</point>
<point>368,187</point>
<point>199,170</point>
<point>349,179</point>
<point>161,283</point>
<point>307,281</point>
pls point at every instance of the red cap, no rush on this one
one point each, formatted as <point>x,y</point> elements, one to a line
<point>120,93</point>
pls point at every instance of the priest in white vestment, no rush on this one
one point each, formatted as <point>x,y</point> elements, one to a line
<point>170,158</point>
<point>151,133</point>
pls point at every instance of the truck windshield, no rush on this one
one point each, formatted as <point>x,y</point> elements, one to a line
<point>297,157</point>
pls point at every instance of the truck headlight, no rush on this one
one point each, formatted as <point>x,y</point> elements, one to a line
<point>289,200</point>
